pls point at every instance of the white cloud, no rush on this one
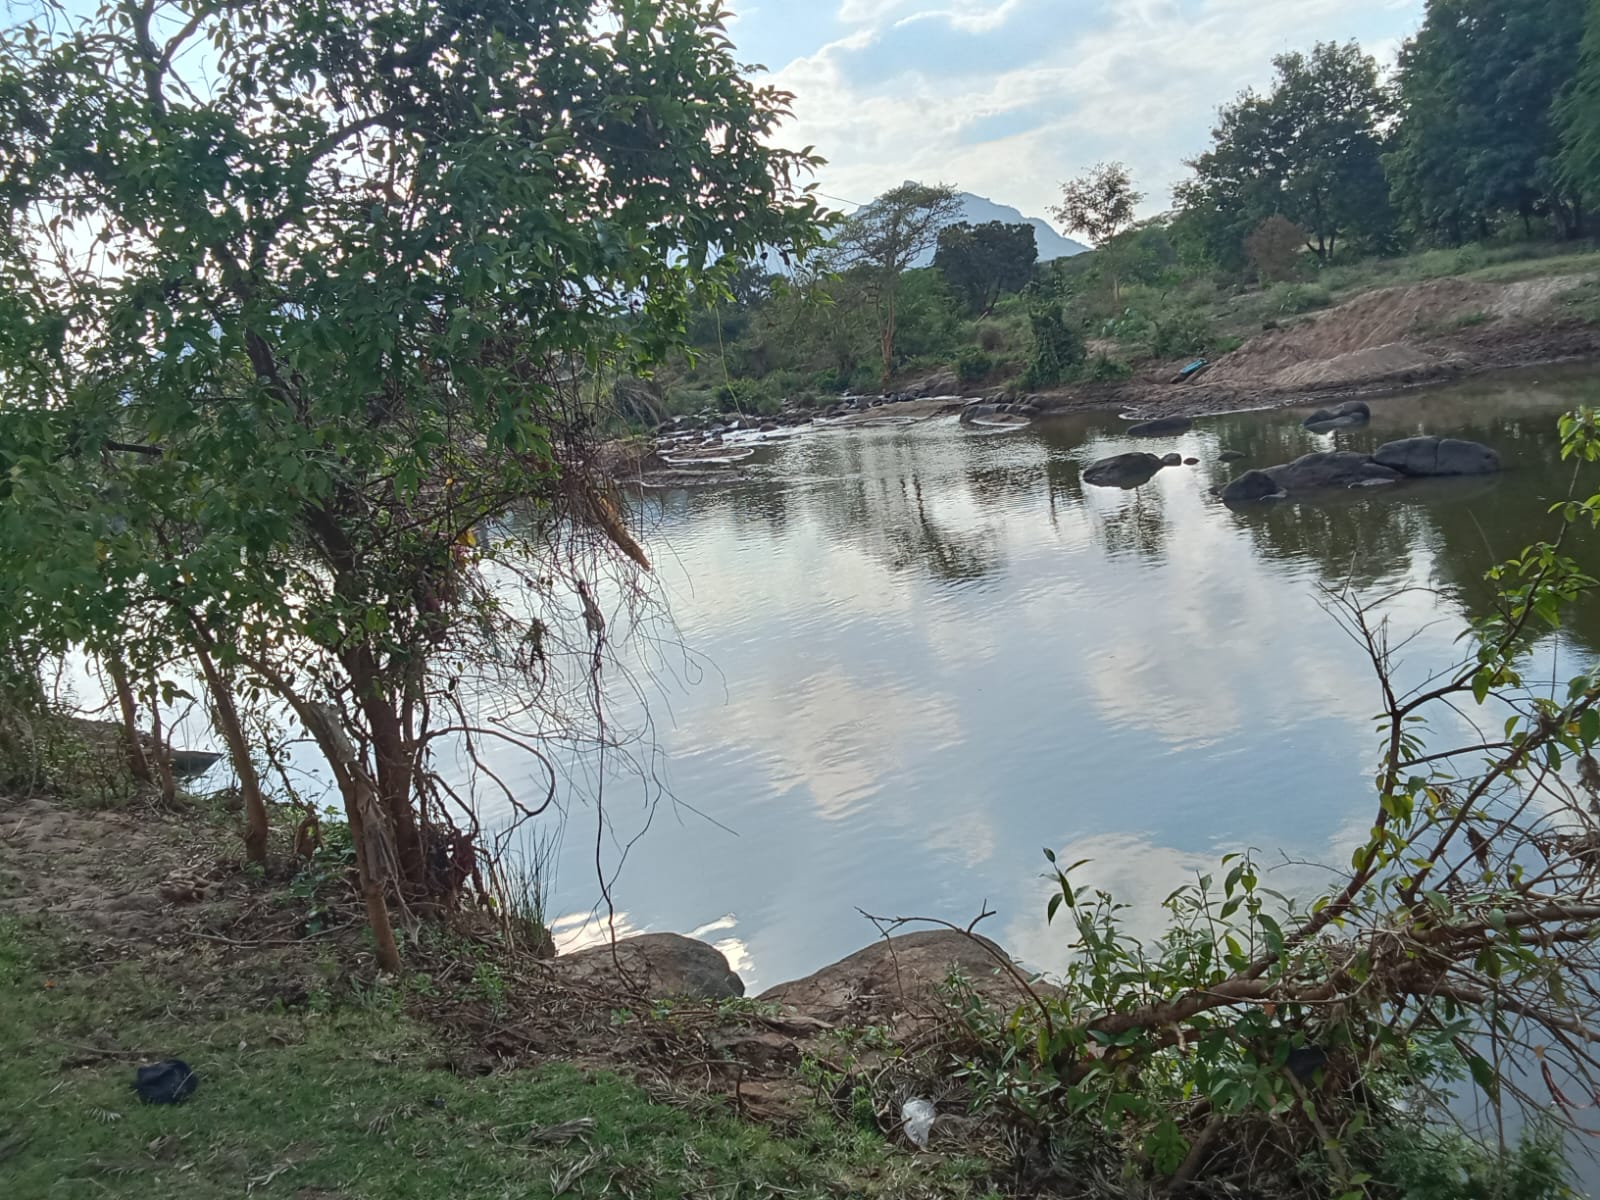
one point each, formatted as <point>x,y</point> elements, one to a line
<point>1045,93</point>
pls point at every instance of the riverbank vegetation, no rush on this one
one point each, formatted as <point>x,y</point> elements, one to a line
<point>305,372</point>
<point>282,352</point>
<point>1476,155</point>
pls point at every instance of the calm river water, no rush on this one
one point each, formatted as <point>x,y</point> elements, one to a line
<point>902,661</point>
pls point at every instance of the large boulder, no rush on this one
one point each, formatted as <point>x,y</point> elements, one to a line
<point>1251,488</point>
<point>659,965</point>
<point>1161,427</point>
<point>899,974</point>
<point>1427,456</point>
<point>1345,416</point>
<point>1123,470</point>
<point>1326,470</point>
<point>1329,469</point>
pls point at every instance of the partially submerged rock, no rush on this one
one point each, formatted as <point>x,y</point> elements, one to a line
<point>1251,488</point>
<point>1172,460</point>
<point>1432,456</point>
<point>1161,427</point>
<point>659,965</point>
<point>898,974</point>
<point>1346,416</point>
<point>1331,469</point>
<point>1123,470</point>
<point>1411,458</point>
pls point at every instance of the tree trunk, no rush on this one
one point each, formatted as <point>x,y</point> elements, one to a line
<point>226,715</point>
<point>392,764</point>
<point>138,764</point>
<point>888,335</point>
<point>169,784</point>
<point>360,802</point>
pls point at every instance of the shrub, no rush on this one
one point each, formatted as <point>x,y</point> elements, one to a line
<point>974,365</point>
<point>1058,347</point>
<point>992,337</point>
<point>1184,331</point>
<point>1103,369</point>
<point>686,400</point>
<point>1276,249</point>
<point>1291,299</point>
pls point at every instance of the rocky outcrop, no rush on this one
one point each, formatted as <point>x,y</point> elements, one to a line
<point>897,975</point>
<point>1430,456</point>
<point>1123,470</point>
<point>1161,427</point>
<point>659,965</point>
<point>1346,416</point>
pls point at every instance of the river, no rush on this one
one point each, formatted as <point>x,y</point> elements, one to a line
<point>904,660</point>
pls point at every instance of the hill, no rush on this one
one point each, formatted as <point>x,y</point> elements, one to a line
<point>978,210</point>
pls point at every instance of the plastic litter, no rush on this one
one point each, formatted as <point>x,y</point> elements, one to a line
<point>918,1116</point>
<point>170,1082</point>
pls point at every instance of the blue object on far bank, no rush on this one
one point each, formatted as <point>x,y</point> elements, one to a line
<point>170,1082</point>
<point>1197,365</point>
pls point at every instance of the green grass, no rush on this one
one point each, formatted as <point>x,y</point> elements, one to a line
<point>347,1103</point>
<point>1486,264</point>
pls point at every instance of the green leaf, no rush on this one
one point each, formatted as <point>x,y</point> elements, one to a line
<point>1484,1076</point>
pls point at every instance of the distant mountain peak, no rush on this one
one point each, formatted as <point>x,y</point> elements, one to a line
<point>978,210</point>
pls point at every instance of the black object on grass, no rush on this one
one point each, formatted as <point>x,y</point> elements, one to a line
<point>170,1082</point>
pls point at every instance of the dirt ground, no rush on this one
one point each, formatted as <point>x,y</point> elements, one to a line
<point>1381,341</point>
<point>165,889</point>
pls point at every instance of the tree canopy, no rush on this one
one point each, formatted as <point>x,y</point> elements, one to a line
<point>1480,87</point>
<point>299,301</point>
<point>982,262</point>
<point>1309,151</point>
<point>1580,117</point>
<point>883,240</point>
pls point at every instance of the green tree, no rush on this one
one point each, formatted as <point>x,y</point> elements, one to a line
<point>1309,150</point>
<point>983,262</point>
<point>1101,205</point>
<point>1478,137</point>
<point>1058,343</point>
<point>883,240</point>
<point>1580,117</point>
<point>301,301</point>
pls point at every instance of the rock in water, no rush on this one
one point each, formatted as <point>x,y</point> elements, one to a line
<point>1251,488</point>
<point>1345,416</point>
<point>1231,455</point>
<point>170,1082</point>
<point>1172,460</point>
<point>662,965</point>
<point>1161,427</point>
<point>1331,469</point>
<point>1428,456</point>
<point>1123,470</point>
<point>1324,471</point>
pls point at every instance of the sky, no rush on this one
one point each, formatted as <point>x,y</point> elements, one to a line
<point>1010,98</point>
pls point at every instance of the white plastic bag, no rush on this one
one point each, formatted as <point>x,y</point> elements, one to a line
<point>917,1116</point>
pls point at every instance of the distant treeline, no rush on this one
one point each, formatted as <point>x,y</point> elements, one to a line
<point>1486,129</point>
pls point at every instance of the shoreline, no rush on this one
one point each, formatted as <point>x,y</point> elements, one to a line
<point>1570,344</point>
